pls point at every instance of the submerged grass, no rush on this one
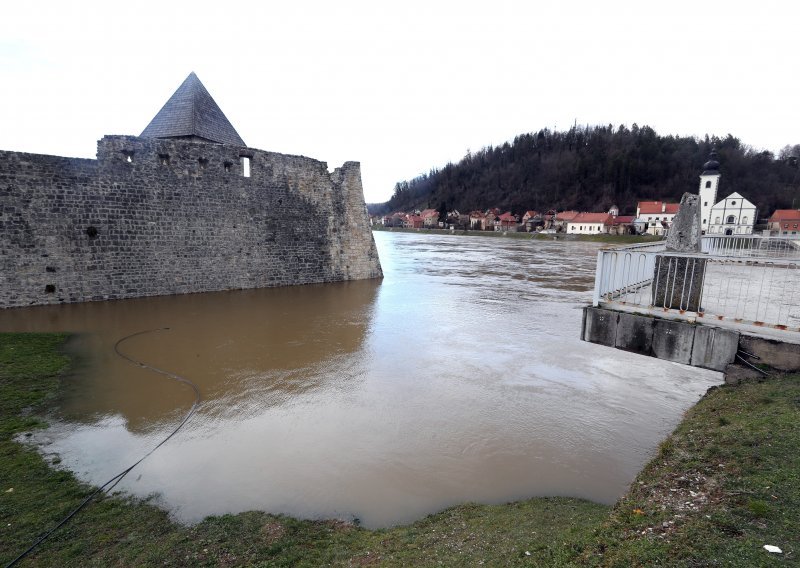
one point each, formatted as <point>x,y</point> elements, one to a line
<point>121,531</point>
<point>725,483</point>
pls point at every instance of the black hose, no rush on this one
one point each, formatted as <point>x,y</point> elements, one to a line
<point>111,483</point>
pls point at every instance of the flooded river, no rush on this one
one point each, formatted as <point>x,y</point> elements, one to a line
<point>459,377</point>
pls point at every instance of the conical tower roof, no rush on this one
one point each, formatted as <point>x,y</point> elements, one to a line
<point>191,113</point>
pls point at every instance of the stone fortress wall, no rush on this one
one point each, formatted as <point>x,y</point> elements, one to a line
<point>157,216</point>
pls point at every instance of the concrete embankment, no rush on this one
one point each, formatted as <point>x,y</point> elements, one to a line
<point>706,346</point>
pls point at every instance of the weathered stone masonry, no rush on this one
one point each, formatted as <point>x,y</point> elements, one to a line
<point>169,216</point>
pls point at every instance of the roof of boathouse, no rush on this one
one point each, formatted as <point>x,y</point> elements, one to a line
<point>192,113</point>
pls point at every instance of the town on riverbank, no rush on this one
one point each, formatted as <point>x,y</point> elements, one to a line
<point>652,219</point>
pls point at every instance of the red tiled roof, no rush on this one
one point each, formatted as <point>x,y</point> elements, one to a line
<point>566,215</point>
<point>785,215</point>
<point>653,207</point>
<point>603,218</point>
<point>623,220</point>
<point>507,217</point>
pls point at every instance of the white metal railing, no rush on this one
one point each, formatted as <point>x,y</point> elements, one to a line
<point>755,282</point>
<point>751,246</point>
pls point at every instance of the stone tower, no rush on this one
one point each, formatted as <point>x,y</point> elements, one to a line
<point>709,184</point>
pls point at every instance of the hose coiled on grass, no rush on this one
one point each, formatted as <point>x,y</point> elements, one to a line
<point>111,483</point>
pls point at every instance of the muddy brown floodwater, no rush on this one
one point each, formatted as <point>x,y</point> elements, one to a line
<point>459,377</point>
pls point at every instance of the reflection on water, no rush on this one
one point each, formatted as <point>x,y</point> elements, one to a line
<point>459,377</point>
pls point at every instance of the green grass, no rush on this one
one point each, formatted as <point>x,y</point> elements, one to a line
<point>725,483</point>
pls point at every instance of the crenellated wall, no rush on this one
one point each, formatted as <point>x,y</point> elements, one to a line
<point>156,217</point>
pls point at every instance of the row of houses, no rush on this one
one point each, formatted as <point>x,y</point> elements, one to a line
<point>733,215</point>
<point>495,220</point>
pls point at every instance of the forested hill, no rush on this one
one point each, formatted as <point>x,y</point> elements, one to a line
<point>592,168</point>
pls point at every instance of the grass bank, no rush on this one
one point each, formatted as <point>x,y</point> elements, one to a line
<point>723,484</point>
<point>617,239</point>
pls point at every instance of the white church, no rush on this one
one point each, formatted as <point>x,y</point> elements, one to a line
<point>733,215</point>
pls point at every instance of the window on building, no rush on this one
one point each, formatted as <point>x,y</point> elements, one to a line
<point>708,184</point>
<point>246,166</point>
<point>716,220</point>
<point>705,203</point>
<point>704,221</point>
<point>730,219</point>
<point>733,203</point>
<point>744,220</point>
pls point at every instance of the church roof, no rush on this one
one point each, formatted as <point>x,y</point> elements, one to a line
<point>744,203</point>
<point>191,112</point>
<point>711,167</point>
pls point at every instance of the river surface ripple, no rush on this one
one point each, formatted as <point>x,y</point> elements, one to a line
<point>459,377</point>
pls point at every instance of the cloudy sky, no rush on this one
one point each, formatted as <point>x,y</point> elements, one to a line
<point>404,86</point>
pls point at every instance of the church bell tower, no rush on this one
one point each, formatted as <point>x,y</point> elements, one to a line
<point>709,184</point>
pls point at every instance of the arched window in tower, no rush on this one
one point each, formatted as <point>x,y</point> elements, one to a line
<point>744,220</point>
<point>731,219</point>
<point>708,183</point>
<point>716,220</point>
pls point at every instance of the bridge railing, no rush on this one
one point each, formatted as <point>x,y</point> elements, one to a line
<point>754,246</point>
<point>751,281</point>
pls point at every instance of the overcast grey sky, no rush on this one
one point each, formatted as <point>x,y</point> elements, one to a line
<point>404,86</point>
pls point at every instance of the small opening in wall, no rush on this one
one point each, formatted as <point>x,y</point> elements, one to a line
<point>163,159</point>
<point>246,166</point>
<point>128,155</point>
<point>91,231</point>
<point>203,163</point>
<point>50,289</point>
<point>227,166</point>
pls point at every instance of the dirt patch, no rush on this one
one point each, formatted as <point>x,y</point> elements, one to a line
<point>272,531</point>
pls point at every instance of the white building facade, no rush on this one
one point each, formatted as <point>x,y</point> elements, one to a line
<point>589,224</point>
<point>655,217</point>
<point>734,215</point>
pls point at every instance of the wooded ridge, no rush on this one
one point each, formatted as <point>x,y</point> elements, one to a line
<point>591,168</point>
